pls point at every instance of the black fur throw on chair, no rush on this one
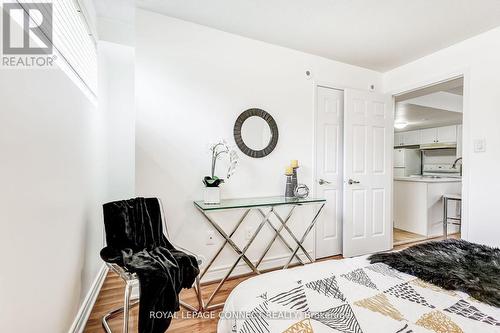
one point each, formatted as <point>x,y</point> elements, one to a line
<point>451,264</point>
<point>135,241</point>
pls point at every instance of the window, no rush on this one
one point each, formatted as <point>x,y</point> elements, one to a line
<point>73,41</point>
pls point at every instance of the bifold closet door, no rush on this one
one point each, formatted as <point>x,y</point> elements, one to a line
<point>329,138</point>
<point>368,145</point>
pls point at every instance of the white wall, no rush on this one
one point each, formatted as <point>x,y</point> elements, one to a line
<point>62,157</point>
<point>478,58</point>
<point>117,103</point>
<point>191,84</point>
<point>53,176</point>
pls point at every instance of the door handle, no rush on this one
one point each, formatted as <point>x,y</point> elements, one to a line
<point>350,182</point>
<point>322,181</point>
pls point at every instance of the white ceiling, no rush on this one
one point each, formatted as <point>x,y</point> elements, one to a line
<point>432,106</point>
<point>419,117</point>
<point>122,10</point>
<point>456,91</point>
<point>376,34</point>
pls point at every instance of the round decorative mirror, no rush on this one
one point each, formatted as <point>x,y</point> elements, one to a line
<point>256,133</point>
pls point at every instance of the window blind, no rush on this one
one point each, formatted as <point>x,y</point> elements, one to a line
<point>71,38</point>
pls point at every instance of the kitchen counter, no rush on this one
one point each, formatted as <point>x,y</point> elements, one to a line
<point>422,179</point>
<point>418,204</point>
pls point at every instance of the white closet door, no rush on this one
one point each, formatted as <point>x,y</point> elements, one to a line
<point>329,142</point>
<point>368,138</point>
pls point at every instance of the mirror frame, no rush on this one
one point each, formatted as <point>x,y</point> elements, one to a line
<point>239,139</point>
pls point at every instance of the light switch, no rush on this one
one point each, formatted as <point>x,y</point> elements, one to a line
<point>479,146</point>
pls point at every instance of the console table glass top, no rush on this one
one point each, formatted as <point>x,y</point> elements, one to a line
<point>255,202</point>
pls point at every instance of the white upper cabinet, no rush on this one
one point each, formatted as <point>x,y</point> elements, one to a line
<point>428,135</point>
<point>398,139</point>
<point>411,138</point>
<point>447,134</point>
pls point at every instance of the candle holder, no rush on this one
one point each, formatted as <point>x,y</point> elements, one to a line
<point>294,165</point>
<point>294,178</point>
<point>289,190</point>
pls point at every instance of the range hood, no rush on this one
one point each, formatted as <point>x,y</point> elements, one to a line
<point>438,145</point>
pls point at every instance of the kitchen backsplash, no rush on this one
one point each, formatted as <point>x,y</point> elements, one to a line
<point>439,156</point>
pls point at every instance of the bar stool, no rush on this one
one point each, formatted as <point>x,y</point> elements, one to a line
<point>454,220</point>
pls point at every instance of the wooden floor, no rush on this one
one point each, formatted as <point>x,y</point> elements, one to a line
<point>404,237</point>
<point>111,296</point>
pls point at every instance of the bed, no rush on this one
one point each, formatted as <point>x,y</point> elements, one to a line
<point>351,295</point>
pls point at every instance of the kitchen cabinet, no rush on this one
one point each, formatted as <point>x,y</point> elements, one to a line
<point>398,139</point>
<point>447,134</point>
<point>418,206</point>
<point>411,138</point>
<point>428,135</point>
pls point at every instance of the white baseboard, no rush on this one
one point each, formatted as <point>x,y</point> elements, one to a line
<point>88,303</point>
<point>217,273</point>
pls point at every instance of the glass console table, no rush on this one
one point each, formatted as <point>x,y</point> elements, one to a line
<point>258,204</point>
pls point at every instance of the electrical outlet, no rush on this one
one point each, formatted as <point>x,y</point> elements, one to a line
<point>202,259</point>
<point>248,233</point>
<point>210,237</point>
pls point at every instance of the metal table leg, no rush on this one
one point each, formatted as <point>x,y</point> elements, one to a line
<point>277,233</point>
<point>225,242</point>
<point>242,252</point>
<point>299,243</point>
<point>241,256</point>
<point>230,242</point>
<point>309,228</point>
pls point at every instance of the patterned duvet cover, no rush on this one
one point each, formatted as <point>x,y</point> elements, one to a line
<point>351,296</point>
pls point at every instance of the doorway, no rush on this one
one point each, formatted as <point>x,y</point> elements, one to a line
<point>427,162</point>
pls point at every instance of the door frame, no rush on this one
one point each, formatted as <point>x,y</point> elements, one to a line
<point>466,142</point>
